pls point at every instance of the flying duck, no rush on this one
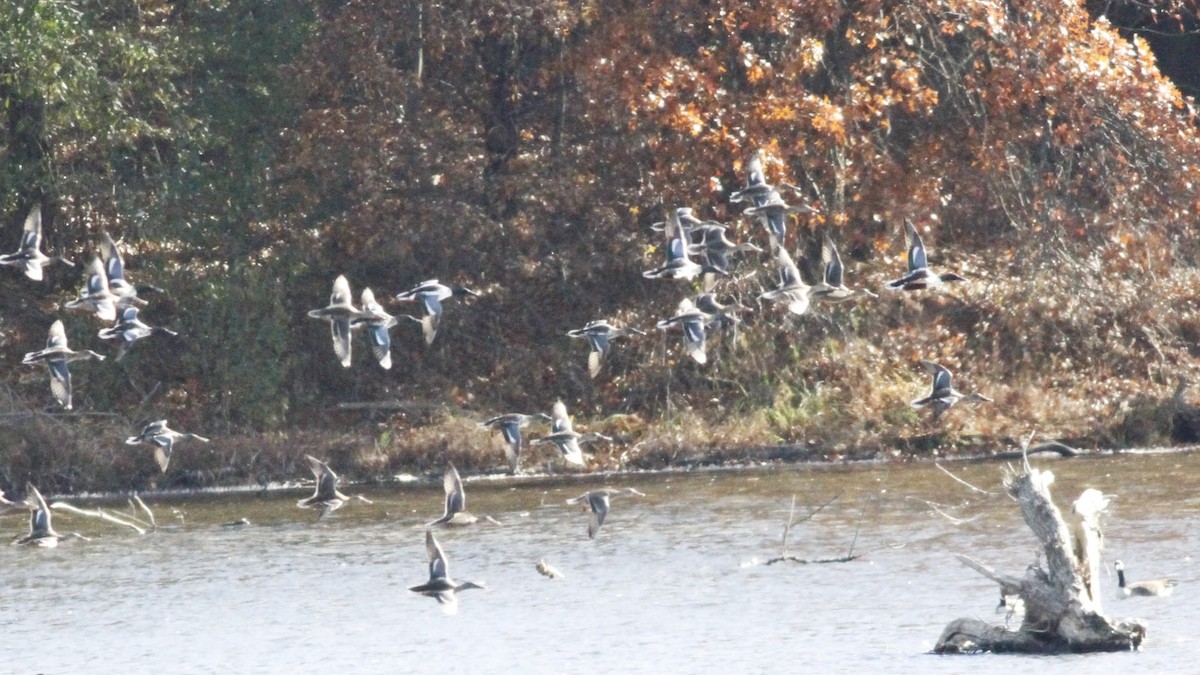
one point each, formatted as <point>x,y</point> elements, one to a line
<point>832,288</point>
<point>919,276</point>
<point>440,586</point>
<point>694,324</point>
<point>96,298</point>
<point>129,329</point>
<point>29,254</point>
<point>56,356</point>
<point>757,189</point>
<point>943,395</point>
<point>456,501</point>
<point>41,532</point>
<point>431,294</point>
<point>598,501</point>
<point>326,495</point>
<point>510,426</point>
<point>163,438</point>
<point>772,213</point>
<point>377,323</point>
<point>599,333</point>
<point>792,288</point>
<point>565,437</point>
<point>716,248</point>
<point>114,268</point>
<point>678,264</point>
<point>721,317</point>
<point>340,312</point>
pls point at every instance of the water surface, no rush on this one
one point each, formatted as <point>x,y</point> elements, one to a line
<point>669,583</point>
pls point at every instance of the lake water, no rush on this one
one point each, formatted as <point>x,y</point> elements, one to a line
<point>668,585</point>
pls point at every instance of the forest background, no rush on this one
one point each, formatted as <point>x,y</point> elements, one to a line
<point>246,152</point>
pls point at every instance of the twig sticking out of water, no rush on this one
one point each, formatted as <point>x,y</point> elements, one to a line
<point>961,481</point>
<point>787,528</point>
<point>857,529</point>
<point>97,513</point>
<point>792,520</point>
<point>1025,451</point>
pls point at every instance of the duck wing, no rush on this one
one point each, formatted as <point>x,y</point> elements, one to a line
<point>832,263</point>
<point>559,420</point>
<point>60,381</point>
<point>598,500</point>
<point>438,567</point>
<point>916,250</point>
<point>456,498</point>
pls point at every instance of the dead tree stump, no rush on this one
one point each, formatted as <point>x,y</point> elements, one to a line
<point>1062,607</point>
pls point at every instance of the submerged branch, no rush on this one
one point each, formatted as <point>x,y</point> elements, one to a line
<point>97,513</point>
<point>1009,584</point>
<point>149,514</point>
<point>961,481</point>
<point>802,561</point>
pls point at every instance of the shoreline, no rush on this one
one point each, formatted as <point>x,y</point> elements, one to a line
<point>501,480</point>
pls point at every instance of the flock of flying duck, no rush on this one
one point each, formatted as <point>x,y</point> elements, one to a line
<point>685,236</point>
<point>110,297</point>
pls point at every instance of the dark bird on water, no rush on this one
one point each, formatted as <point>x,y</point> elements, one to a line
<point>1145,588</point>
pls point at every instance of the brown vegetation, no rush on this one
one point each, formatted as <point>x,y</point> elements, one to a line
<point>523,149</point>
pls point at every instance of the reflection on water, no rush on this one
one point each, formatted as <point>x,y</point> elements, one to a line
<point>664,586</point>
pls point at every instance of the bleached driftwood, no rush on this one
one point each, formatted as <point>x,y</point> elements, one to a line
<point>1062,611</point>
<point>97,513</point>
<point>146,509</point>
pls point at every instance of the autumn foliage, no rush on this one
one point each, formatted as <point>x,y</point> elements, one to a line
<point>523,149</point>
